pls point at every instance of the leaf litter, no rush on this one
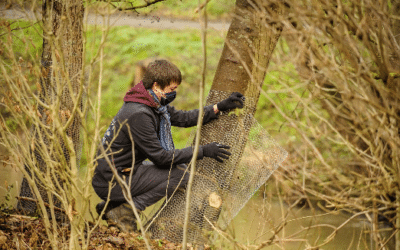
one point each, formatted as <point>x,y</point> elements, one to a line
<point>25,232</point>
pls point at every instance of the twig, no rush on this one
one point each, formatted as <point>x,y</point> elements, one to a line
<point>394,76</point>
<point>45,203</point>
<point>332,235</point>
<point>225,235</point>
<point>280,227</point>
<point>167,200</point>
<point>198,131</point>
<point>141,6</point>
<point>201,6</point>
<point>19,28</point>
<point>126,189</point>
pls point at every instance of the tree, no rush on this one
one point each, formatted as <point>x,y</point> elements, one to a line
<point>59,114</point>
<point>47,102</point>
<point>248,48</point>
<point>345,53</point>
<point>61,82</point>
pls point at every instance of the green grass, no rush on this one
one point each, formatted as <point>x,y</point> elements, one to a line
<point>26,42</point>
<point>25,48</point>
<point>126,46</point>
<point>216,10</point>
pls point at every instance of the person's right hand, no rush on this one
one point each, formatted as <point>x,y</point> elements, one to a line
<point>235,100</point>
<point>216,151</point>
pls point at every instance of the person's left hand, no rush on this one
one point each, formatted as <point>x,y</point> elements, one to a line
<point>232,102</point>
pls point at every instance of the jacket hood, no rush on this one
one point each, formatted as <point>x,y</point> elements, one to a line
<point>140,95</point>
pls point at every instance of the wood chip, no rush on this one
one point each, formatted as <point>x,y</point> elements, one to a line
<point>215,200</point>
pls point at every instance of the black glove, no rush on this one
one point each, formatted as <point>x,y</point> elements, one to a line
<point>215,151</point>
<point>234,101</point>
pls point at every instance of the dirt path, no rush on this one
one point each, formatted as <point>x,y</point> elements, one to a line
<point>121,19</point>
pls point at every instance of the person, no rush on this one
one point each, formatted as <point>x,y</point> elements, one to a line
<point>158,168</point>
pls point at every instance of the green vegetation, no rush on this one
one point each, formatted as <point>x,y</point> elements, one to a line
<point>186,9</point>
<point>126,46</point>
<point>27,42</point>
<point>216,10</point>
<point>327,103</point>
<point>26,49</point>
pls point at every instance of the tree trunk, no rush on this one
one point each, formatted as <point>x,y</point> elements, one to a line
<point>60,91</point>
<point>242,67</point>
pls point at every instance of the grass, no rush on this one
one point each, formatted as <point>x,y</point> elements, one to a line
<point>126,46</point>
<point>216,10</point>
<point>186,9</point>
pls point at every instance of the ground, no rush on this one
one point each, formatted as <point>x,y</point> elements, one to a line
<point>24,232</point>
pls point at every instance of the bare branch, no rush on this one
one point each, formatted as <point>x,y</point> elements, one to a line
<point>147,4</point>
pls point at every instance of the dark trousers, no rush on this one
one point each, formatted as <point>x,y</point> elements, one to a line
<point>149,184</point>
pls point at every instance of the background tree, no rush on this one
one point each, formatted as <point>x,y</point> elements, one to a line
<point>49,107</point>
<point>61,83</point>
<point>51,158</point>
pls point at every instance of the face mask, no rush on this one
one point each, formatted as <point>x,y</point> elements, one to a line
<point>169,97</point>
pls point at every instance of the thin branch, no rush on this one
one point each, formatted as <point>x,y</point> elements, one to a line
<point>201,6</point>
<point>147,4</point>
<point>127,192</point>
<point>225,235</point>
<point>19,28</point>
<point>394,76</point>
<point>45,203</point>
<point>199,125</point>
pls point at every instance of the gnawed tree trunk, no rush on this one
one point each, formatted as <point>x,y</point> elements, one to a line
<point>248,47</point>
<point>55,141</point>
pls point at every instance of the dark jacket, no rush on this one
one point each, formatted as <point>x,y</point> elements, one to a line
<point>141,121</point>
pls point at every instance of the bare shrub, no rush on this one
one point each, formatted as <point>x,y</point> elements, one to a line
<point>338,71</point>
<point>48,112</point>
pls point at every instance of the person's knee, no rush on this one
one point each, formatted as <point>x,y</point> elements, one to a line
<point>179,177</point>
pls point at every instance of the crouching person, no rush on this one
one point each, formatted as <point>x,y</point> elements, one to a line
<point>159,168</point>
